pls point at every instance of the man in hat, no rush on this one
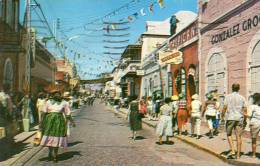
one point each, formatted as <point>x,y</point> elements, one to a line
<point>195,115</point>
<point>175,107</point>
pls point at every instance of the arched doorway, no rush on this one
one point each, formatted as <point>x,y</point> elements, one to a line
<point>192,79</point>
<point>255,69</point>
<point>216,74</point>
<point>8,75</point>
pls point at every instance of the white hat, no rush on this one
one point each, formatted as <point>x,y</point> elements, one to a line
<point>195,97</point>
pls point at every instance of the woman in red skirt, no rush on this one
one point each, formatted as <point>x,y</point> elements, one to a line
<point>182,116</point>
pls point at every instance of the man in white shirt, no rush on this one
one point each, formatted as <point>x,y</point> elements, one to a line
<point>235,109</point>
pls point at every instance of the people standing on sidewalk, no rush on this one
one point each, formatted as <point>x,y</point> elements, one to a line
<point>157,106</point>
<point>218,118</point>
<point>150,108</point>
<point>175,107</point>
<point>210,111</point>
<point>195,115</point>
<point>41,101</point>
<point>164,127</point>
<point>254,117</point>
<point>236,112</point>
<point>69,122</point>
<point>142,108</point>
<point>182,115</point>
<point>27,112</point>
<point>54,128</point>
<point>135,120</point>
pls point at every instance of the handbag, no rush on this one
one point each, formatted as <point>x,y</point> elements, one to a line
<point>37,138</point>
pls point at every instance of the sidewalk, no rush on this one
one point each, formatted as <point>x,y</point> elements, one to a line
<point>12,149</point>
<point>217,146</point>
<point>19,149</point>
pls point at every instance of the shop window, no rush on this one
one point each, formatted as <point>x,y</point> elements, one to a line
<point>170,91</point>
<point>8,75</point>
<point>255,69</point>
<point>216,74</point>
<point>181,82</point>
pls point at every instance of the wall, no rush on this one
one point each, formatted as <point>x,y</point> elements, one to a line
<point>234,49</point>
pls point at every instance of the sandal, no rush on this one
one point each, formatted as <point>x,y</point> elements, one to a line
<point>232,156</point>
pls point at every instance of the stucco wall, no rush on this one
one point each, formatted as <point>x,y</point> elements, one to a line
<point>234,49</point>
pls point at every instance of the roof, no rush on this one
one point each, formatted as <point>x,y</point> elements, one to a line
<point>163,27</point>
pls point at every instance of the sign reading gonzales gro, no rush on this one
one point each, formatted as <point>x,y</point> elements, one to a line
<point>236,29</point>
<point>170,57</point>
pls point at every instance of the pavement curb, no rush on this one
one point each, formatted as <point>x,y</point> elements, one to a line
<point>223,158</point>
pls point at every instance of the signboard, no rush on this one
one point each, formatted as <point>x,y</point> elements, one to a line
<point>187,34</point>
<point>140,72</point>
<point>234,30</point>
<point>174,57</point>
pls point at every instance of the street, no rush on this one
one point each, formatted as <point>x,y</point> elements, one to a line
<point>103,138</point>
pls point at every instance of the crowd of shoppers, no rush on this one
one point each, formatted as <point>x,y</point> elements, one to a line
<point>173,115</point>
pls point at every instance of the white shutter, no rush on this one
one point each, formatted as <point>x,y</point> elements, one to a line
<point>255,69</point>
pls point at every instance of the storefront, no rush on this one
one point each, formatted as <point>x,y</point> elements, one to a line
<point>151,81</point>
<point>181,56</point>
<point>230,47</point>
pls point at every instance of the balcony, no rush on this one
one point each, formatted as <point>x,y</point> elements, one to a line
<point>132,67</point>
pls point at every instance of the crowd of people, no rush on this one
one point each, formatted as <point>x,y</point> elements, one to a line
<point>175,114</point>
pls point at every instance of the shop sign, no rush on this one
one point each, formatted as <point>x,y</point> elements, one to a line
<point>170,58</point>
<point>184,36</point>
<point>236,29</point>
<point>140,72</point>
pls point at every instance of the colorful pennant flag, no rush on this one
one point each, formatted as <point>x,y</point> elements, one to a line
<point>130,18</point>
<point>142,12</point>
<point>113,26</point>
<point>151,8</point>
<point>135,15</point>
<point>107,29</point>
<point>161,3</point>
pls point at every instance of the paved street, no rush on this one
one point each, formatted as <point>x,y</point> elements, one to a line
<point>102,138</point>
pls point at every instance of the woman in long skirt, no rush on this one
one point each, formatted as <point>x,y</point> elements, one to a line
<point>54,128</point>
<point>135,120</point>
<point>182,116</point>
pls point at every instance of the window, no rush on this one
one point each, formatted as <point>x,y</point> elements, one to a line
<point>1,9</point>
<point>170,90</point>
<point>9,13</point>
<point>216,74</point>
<point>255,69</point>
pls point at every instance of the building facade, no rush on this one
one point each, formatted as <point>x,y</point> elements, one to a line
<point>229,46</point>
<point>171,68</point>
<point>10,44</point>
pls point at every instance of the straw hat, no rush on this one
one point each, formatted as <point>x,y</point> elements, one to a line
<point>209,95</point>
<point>66,94</point>
<point>175,97</point>
<point>52,88</point>
<point>180,95</point>
<point>195,97</point>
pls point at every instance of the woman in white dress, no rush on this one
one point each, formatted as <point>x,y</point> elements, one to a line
<point>164,127</point>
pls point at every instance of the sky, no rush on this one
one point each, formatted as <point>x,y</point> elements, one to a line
<point>82,23</point>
